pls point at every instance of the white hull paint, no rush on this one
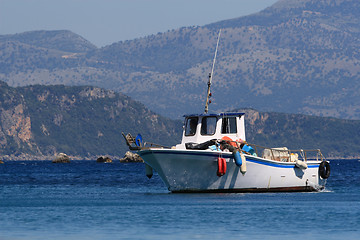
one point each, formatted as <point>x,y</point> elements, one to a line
<point>195,171</point>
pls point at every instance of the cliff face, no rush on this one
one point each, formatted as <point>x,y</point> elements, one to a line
<point>80,121</point>
<point>15,123</point>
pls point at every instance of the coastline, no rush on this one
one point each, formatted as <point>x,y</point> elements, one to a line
<point>27,157</point>
<point>127,157</point>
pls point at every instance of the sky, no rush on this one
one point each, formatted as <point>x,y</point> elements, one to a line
<point>104,22</point>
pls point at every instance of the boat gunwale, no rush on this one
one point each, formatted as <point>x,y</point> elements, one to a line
<point>250,158</point>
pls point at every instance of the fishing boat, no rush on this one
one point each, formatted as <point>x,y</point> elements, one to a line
<point>214,156</point>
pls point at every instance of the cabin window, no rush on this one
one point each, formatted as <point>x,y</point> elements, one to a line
<point>190,127</point>
<point>208,125</point>
<point>229,125</point>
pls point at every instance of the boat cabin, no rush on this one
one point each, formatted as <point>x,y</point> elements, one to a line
<point>199,128</point>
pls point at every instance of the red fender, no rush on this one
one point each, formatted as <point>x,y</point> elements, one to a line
<point>221,166</point>
<point>224,165</point>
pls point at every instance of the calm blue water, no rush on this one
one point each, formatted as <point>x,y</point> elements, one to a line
<point>89,200</point>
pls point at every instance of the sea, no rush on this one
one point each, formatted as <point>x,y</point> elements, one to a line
<point>90,200</point>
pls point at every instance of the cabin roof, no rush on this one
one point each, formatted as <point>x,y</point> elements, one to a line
<point>215,114</point>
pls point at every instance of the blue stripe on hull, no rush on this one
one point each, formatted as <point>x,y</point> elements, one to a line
<point>278,165</point>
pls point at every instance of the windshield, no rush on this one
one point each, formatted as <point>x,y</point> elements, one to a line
<point>208,125</point>
<point>190,127</point>
<point>229,125</point>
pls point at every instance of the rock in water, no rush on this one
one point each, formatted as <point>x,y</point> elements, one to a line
<point>131,157</point>
<point>61,158</point>
<point>104,160</point>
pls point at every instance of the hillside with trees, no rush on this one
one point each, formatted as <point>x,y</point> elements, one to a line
<point>38,122</point>
<point>85,122</point>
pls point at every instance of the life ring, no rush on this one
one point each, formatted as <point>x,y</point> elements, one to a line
<point>324,169</point>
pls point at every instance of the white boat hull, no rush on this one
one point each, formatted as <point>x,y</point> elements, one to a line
<point>195,171</point>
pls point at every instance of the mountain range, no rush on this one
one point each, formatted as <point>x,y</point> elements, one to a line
<point>297,56</point>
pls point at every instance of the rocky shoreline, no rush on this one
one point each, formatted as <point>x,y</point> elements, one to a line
<point>128,157</point>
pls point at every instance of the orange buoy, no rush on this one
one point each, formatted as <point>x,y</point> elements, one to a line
<point>221,166</point>
<point>230,141</point>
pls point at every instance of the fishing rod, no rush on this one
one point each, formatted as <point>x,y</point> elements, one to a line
<point>211,75</point>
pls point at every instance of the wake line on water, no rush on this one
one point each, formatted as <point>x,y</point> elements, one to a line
<point>325,190</point>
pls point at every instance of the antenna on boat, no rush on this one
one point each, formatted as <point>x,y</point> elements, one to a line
<point>210,76</point>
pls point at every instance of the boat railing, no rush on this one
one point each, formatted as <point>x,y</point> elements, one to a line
<point>287,155</point>
<point>135,144</point>
<point>150,145</point>
<point>281,154</point>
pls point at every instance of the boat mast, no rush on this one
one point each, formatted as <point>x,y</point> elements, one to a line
<point>210,76</point>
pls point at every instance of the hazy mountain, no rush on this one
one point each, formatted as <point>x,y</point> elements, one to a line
<point>62,40</point>
<point>295,56</point>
